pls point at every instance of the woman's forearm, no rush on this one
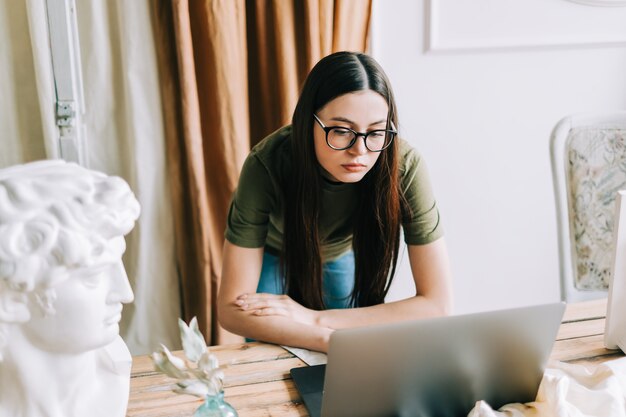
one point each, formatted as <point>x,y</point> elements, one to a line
<point>274,329</point>
<point>279,319</point>
<point>408,309</point>
<point>270,305</point>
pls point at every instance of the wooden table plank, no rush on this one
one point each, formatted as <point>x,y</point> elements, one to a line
<point>582,328</point>
<point>162,402</point>
<point>585,310</point>
<point>590,348</point>
<point>241,374</point>
<point>248,400</point>
<point>278,398</point>
<point>226,354</point>
<point>250,368</point>
<point>279,410</point>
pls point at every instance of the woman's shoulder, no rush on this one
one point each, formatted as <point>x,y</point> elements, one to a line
<point>271,157</point>
<point>274,146</point>
<point>409,157</point>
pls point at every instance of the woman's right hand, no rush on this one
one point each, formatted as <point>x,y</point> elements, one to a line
<point>266,317</point>
<point>265,304</point>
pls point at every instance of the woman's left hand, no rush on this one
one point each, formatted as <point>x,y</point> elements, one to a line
<point>265,304</point>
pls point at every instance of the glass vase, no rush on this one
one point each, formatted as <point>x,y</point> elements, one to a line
<point>215,406</point>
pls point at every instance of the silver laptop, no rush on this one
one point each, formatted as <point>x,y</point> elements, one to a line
<point>433,367</point>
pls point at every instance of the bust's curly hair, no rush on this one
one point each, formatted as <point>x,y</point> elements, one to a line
<point>56,216</point>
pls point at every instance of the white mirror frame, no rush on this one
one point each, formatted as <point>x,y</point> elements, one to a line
<point>601,3</point>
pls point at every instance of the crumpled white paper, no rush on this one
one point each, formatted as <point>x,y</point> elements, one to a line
<point>310,357</point>
<point>569,390</point>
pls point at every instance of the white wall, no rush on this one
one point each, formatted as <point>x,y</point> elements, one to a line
<point>482,120</point>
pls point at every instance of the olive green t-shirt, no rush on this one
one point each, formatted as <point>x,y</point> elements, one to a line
<point>255,217</point>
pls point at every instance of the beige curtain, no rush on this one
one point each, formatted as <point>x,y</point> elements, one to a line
<point>230,74</point>
<point>21,123</point>
<point>123,135</point>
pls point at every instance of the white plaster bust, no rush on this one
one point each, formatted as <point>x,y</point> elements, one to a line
<point>62,286</point>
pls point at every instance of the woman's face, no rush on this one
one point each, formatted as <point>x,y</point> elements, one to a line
<point>362,111</point>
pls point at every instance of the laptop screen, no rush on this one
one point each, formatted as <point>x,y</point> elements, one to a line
<point>437,367</point>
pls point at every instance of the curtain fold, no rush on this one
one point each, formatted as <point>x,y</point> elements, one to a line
<point>231,71</point>
<point>219,50</point>
<point>23,132</point>
<point>203,134</point>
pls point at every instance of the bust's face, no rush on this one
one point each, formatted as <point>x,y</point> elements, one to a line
<point>88,308</point>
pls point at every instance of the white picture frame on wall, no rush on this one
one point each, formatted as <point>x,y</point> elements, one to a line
<point>602,3</point>
<point>460,25</point>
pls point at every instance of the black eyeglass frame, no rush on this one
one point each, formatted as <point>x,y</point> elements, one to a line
<point>327,130</point>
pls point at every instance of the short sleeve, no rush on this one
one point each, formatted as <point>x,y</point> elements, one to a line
<point>422,224</point>
<point>251,205</point>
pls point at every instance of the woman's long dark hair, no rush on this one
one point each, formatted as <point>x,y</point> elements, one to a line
<point>376,235</point>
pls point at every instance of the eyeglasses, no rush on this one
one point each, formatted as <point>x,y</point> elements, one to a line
<point>340,138</point>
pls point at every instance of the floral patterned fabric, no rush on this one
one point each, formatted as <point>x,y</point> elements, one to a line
<point>596,170</point>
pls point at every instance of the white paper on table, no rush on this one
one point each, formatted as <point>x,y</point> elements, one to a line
<point>309,357</point>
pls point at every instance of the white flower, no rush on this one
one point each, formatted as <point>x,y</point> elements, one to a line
<point>201,375</point>
<point>208,361</point>
<point>193,341</point>
<point>169,364</point>
<point>192,387</point>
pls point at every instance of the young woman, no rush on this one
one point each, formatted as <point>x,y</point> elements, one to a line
<point>313,231</point>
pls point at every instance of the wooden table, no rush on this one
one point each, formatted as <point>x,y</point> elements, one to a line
<point>258,381</point>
